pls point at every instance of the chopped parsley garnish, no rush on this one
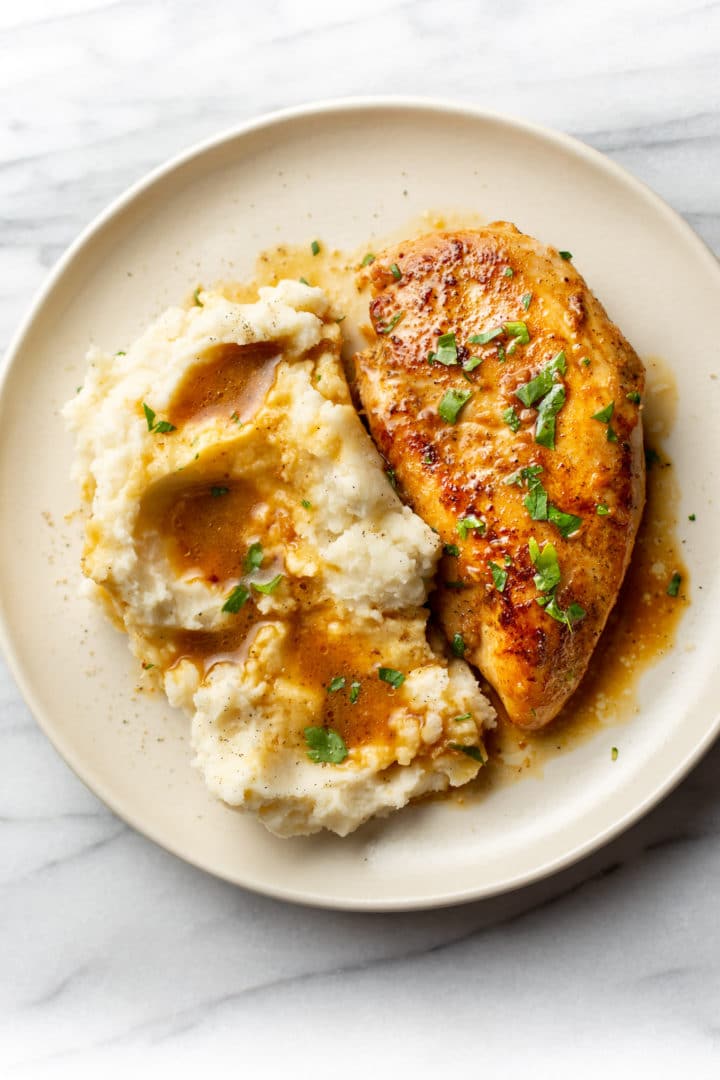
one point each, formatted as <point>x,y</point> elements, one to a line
<point>303,281</point>
<point>325,745</point>
<point>519,331</point>
<point>604,415</point>
<point>391,676</point>
<point>585,361</point>
<point>235,599</point>
<point>548,409</point>
<point>268,586</point>
<point>546,563</point>
<point>158,427</point>
<point>692,517</point>
<point>547,580</point>
<point>390,473</point>
<point>472,362</point>
<point>567,255</point>
<point>306,504</point>
<point>196,298</point>
<point>147,666</point>
<point>487,335</point>
<point>470,524</point>
<point>511,418</point>
<point>451,549</point>
<point>499,576</point>
<point>458,645</point>
<point>388,327</point>
<point>611,434</point>
<point>354,692</point>
<point>651,457</point>
<point>614,753</point>
<point>235,417</point>
<point>396,271</point>
<point>634,397</point>
<point>473,752</point>
<point>336,684</point>
<point>674,585</point>
<point>446,351</point>
<point>315,247</point>
<point>544,381</point>
<point>454,584</point>
<point>508,271</point>
<point>601,510</point>
<point>369,258</point>
<point>537,504</point>
<point>451,404</point>
<point>120,352</point>
<point>501,353</point>
<point>525,300</point>
<point>254,558</point>
<point>216,492</point>
<point>567,524</point>
<point>571,615</point>
<point>459,719</point>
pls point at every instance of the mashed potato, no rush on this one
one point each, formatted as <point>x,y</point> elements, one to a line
<point>242,529</point>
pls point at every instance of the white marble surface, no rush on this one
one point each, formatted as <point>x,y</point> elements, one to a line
<point>113,954</point>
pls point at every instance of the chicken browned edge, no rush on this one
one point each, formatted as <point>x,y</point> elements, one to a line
<point>468,283</point>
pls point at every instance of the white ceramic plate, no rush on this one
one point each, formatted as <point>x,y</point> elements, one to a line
<point>345,172</point>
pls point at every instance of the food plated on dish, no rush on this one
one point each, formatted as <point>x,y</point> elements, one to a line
<point>271,557</point>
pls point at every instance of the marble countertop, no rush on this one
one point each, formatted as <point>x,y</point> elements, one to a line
<point>115,955</point>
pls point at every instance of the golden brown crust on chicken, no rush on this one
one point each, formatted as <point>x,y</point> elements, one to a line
<point>468,284</point>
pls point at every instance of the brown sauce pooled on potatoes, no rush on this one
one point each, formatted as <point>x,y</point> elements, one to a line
<point>207,530</point>
<point>358,710</point>
<point>228,380</point>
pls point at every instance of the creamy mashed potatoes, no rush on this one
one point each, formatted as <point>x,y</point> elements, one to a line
<point>242,529</point>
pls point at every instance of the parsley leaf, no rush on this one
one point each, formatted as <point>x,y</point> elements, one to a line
<point>567,524</point>
<point>336,684</point>
<point>536,501</point>
<point>473,752</point>
<point>149,416</point>
<point>451,549</point>
<point>391,676</point>
<point>508,271</point>
<point>325,745</point>
<point>354,692</point>
<point>511,418</point>
<point>470,524</point>
<point>548,409</point>
<point>315,247</point>
<point>458,645</point>
<point>567,255</point>
<point>217,492</point>
<point>390,326</point>
<point>674,586</point>
<point>268,586</point>
<point>451,404</point>
<point>472,362</point>
<point>604,415</point>
<point>547,565</point>
<point>571,615</point>
<point>543,381</point>
<point>499,576</point>
<point>196,297</point>
<point>487,335</point>
<point>601,510</point>
<point>369,258</point>
<point>306,504</point>
<point>396,271</point>
<point>235,600</point>
<point>519,331</point>
<point>158,427</point>
<point>446,351</point>
<point>525,300</point>
<point>634,397</point>
<point>254,558</point>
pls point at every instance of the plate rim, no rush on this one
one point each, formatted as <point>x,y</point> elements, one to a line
<point>448,107</point>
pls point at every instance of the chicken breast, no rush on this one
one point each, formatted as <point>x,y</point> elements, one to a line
<point>508,406</point>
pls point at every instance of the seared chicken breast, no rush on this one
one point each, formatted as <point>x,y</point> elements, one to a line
<point>508,407</point>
